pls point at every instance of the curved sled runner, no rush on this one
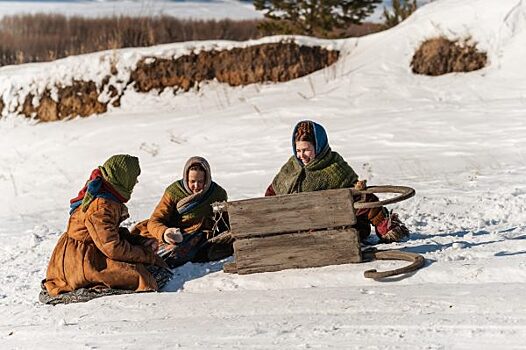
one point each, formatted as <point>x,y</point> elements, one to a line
<point>417,262</point>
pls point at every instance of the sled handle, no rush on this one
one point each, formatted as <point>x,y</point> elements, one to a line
<point>417,262</point>
<point>404,191</point>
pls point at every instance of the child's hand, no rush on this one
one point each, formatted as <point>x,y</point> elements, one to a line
<point>360,185</point>
<point>172,235</point>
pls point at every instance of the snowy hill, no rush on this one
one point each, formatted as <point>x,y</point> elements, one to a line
<point>458,139</point>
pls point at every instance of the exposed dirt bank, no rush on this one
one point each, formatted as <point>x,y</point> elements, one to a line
<point>270,62</point>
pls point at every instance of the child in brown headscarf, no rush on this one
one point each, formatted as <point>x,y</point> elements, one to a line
<point>183,220</point>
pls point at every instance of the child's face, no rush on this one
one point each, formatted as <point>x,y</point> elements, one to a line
<point>196,181</point>
<point>305,151</point>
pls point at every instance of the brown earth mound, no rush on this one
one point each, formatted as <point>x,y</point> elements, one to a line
<point>441,56</point>
<point>277,62</point>
<point>274,62</point>
<point>79,99</point>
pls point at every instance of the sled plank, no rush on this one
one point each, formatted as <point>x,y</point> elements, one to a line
<point>291,213</point>
<point>230,267</point>
<point>297,250</point>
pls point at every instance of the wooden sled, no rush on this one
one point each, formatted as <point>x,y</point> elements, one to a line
<point>310,229</point>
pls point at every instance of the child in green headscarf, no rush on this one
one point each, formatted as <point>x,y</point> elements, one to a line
<point>95,254</point>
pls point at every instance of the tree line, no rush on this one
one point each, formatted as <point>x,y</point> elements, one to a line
<point>42,37</point>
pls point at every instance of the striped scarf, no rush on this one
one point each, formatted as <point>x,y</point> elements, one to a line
<point>96,187</point>
<point>114,180</point>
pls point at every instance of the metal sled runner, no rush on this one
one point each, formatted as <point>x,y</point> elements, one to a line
<point>310,229</point>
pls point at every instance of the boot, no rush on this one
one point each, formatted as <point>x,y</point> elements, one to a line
<point>389,228</point>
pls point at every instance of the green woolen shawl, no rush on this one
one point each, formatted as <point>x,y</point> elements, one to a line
<point>329,171</point>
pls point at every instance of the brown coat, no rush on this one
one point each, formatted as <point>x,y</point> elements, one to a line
<point>92,252</point>
<point>165,215</point>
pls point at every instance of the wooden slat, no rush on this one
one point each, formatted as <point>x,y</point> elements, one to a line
<point>291,213</point>
<point>297,250</point>
<point>230,267</point>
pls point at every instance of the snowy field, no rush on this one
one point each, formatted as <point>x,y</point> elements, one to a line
<point>458,139</point>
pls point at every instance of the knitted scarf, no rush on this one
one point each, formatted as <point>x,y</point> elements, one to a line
<point>192,205</point>
<point>328,170</point>
<point>113,180</point>
<point>193,198</point>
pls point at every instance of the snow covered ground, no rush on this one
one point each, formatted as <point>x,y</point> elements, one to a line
<point>459,140</point>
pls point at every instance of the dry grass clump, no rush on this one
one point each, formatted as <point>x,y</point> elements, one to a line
<point>357,30</point>
<point>440,56</point>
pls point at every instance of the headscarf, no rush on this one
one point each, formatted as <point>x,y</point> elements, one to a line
<point>180,188</point>
<point>201,162</point>
<point>321,142</point>
<point>122,171</point>
<point>115,180</point>
<point>328,170</point>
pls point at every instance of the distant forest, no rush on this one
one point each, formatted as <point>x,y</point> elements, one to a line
<point>43,37</point>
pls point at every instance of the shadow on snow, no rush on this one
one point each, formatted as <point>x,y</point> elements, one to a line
<point>191,271</point>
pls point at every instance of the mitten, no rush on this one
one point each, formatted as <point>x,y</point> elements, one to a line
<point>172,235</point>
<point>360,185</point>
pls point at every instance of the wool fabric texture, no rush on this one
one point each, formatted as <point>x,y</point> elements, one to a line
<point>113,180</point>
<point>121,171</point>
<point>194,205</point>
<point>328,170</point>
<point>191,197</point>
<point>95,187</point>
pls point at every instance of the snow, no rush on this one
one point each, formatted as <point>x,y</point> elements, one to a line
<point>458,139</point>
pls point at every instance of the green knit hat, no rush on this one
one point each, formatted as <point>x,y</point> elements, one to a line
<point>121,171</point>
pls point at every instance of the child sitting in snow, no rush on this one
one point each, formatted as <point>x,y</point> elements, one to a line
<point>96,257</point>
<point>183,220</point>
<point>314,167</point>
